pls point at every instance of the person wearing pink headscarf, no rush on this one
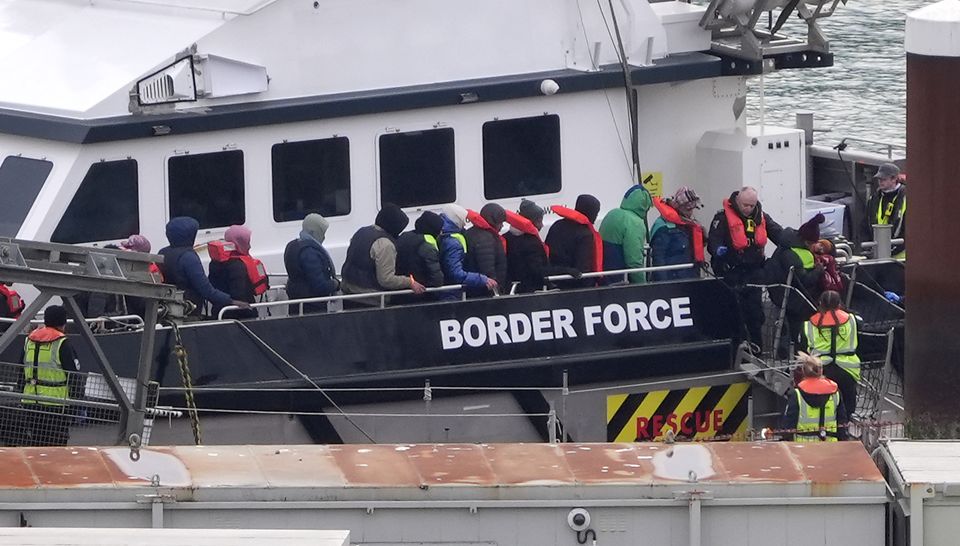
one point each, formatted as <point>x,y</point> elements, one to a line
<point>231,275</point>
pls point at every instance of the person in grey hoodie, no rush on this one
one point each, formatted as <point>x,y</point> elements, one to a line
<point>310,271</point>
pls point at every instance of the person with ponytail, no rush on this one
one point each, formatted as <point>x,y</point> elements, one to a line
<point>831,335</point>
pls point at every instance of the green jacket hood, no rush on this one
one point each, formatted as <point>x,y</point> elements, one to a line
<point>637,199</point>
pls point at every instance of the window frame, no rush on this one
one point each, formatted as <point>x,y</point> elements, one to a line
<point>349,172</point>
<point>413,129</point>
<point>186,152</point>
<point>559,149</point>
<point>76,192</point>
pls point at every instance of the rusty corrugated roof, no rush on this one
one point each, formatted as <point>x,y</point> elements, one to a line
<point>439,465</point>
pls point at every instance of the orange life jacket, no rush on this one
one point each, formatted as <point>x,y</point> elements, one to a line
<point>222,251</point>
<point>671,215</point>
<point>479,221</point>
<point>524,225</point>
<point>12,300</point>
<point>578,217</point>
<point>738,233</point>
<point>817,385</point>
<point>826,319</point>
<point>46,334</point>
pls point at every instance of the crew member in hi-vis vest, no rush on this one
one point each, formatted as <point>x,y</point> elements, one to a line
<point>814,408</point>
<point>43,417</point>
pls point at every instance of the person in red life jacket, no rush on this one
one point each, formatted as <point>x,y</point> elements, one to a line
<point>310,270</point>
<point>234,271</point>
<point>624,234</point>
<point>47,359</point>
<point>453,253</point>
<point>488,249</point>
<point>795,252</point>
<point>418,256</point>
<point>371,263</point>
<point>738,237</point>
<point>574,242</point>
<point>528,257</point>
<point>182,267</point>
<point>815,411</point>
<point>823,255</point>
<point>676,238</point>
<point>10,303</point>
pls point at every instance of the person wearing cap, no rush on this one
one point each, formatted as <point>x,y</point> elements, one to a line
<point>888,206</point>
<point>796,253</point>
<point>371,263</point>
<point>453,251</point>
<point>310,270</point>
<point>676,237</point>
<point>418,255</point>
<point>574,242</point>
<point>48,359</point>
<point>488,248</point>
<point>182,268</point>
<point>528,257</point>
<point>814,409</point>
<point>624,233</point>
<point>736,242</point>
<point>136,243</point>
<point>232,275</point>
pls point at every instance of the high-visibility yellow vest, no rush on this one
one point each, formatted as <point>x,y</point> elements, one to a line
<point>463,240</point>
<point>817,424</point>
<point>43,371</point>
<point>839,340</point>
<point>806,257</point>
<point>431,240</point>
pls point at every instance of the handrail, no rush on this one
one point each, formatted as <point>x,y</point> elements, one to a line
<point>134,320</point>
<point>595,274</point>
<point>341,297</point>
<point>871,244</point>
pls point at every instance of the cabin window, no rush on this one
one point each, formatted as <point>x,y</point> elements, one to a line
<point>417,168</point>
<point>20,181</point>
<point>106,205</point>
<point>521,157</point>
<point>311,176</point>
<point>207,187</point>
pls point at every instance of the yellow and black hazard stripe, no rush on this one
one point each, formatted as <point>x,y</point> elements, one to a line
<point>697,413</point>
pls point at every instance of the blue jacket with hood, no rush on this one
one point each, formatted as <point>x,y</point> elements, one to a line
<point>452,256</point>
<point>182,267</point>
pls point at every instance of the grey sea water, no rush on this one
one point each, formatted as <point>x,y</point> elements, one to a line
<point>864,93</point>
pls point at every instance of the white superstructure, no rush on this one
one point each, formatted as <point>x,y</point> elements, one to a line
<point>117,115</point>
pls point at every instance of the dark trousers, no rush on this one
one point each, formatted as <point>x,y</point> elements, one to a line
<point>30,425</point>
<point>847,385</point>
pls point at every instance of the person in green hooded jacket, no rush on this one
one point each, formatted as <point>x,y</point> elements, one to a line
<point>624,233</point>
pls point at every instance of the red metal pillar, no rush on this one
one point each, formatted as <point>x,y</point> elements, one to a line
<point>933,274</point>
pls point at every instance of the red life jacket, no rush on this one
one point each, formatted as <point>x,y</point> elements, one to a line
<point>222,251</point>
<point>671,215</point>
<point>12,300</point>
<point>817,385</point>
<point>578,217</point>
<point>154,270</point>
<point>479,221</point>
<point>524,225</point>
<point>738,233</point>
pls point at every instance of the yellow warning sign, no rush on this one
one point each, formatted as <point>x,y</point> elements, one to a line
<point>698,413</point>
<point>655,185</point>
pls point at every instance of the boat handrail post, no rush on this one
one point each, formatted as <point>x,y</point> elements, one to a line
<point>882,234</point>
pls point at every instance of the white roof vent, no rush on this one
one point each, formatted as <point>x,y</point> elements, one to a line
<point>173,83</point>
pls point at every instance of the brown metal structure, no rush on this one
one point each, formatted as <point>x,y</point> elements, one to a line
<point>933,327</point>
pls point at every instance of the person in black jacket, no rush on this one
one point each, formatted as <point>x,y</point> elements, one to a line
<point>418,255</point>
<point>310,271</point>
<point>575,243</point>
<point>231,275</point>
<point>888,206</point>
<point>795,252</point>
<point>527,258</point>
<point>738,236</point>
<point>487,255</point>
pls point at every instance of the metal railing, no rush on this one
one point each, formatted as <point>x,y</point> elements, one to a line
<point>381,296</point>
<point>614,272</point>
<point>133,321</point>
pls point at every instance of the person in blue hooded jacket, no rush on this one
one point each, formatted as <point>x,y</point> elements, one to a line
<point>182,267</point>
<point>453,251</point>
